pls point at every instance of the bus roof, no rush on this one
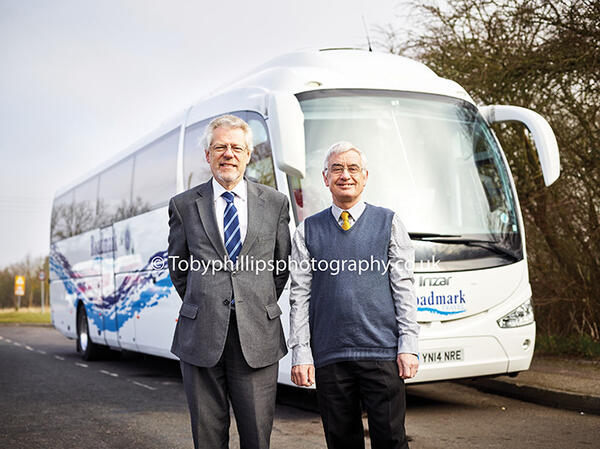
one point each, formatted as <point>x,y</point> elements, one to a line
<point>340,68</point>
<point>306,70</point>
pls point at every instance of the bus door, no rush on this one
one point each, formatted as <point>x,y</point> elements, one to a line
<point>125,286</point>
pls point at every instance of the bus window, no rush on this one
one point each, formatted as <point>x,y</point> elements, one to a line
<point>195,168</point>
<point>84,206</point>
<point>154,174</point>
<point>62,216</point>
<point>260,168</point>
<point>114,193</point>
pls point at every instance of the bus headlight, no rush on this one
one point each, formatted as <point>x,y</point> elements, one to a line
<point>521,316</point>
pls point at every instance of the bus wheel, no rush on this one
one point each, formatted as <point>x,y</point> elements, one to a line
<point>85,346</point>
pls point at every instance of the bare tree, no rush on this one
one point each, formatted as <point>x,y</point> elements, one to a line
<point>30,268</point>
<point>544,55</point>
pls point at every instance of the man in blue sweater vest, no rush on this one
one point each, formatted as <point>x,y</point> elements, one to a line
<point>352,329</point>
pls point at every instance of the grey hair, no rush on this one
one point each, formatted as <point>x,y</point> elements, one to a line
<point>227,121</point>
<point>342,147</point>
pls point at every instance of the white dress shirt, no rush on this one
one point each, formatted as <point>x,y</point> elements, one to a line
<point>240,201</point>
<point>354,212</point>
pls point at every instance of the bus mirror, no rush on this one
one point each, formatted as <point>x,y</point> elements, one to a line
<point>543,136</point>
<point>286,127</point>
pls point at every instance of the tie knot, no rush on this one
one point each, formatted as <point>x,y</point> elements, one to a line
<point>228,196</point>
<point>345,215</point>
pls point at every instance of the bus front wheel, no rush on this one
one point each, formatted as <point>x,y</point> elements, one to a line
<point>85,346</point>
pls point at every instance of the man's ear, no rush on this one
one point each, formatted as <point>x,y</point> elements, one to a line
<point>325,178</point>
<point>206,154</point>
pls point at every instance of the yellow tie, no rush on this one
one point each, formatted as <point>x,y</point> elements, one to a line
<point>345,223</point>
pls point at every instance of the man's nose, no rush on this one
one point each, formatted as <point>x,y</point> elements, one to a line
<point>345,174</point>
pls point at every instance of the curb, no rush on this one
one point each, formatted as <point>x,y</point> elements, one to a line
<point>553,398</point>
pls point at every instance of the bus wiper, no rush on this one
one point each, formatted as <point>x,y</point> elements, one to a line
<point>459,240</point>
<point>428,235</point>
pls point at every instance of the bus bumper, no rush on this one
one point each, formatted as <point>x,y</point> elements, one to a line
<point>508,351</point>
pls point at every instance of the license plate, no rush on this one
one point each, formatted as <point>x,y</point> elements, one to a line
<point>445,356</point>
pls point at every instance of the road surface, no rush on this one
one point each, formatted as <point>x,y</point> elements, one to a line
<point>50,398</point>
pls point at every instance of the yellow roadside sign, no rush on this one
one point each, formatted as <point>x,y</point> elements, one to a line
<point>19,285</point>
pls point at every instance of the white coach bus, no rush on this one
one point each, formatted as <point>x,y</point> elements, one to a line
<point>433,159</point>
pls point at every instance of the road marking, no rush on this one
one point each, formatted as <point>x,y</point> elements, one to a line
<point>1,337</point>
<point>108,373</point>
<point>83,365</point>
<point>29,348</point>
<point>59,357</point>
<point>8,340</point>
<point>40,351</point>
<point>16,343</point>
<point>144,385</point>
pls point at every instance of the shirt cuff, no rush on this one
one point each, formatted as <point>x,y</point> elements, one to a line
<point>408,344</point>
<point>302,355</point>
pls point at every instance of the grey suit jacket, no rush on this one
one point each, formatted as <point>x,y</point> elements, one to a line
<point>201,329</point>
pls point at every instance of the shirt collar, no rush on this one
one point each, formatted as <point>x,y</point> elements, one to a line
<point>355,211</point>
<point>240,190</point>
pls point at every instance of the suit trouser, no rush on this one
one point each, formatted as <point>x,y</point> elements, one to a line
<point>251,392</point>
<point>342,386</point>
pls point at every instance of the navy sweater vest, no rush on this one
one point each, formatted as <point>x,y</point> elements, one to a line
<point>351,315</point>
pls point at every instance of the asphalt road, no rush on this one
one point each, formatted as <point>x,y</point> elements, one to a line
<point>50,398</point>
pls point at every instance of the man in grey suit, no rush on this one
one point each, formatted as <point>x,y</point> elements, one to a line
<point>229,336</point>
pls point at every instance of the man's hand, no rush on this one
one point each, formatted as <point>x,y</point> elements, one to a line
<point>303,375</point>
<point>408,365</point>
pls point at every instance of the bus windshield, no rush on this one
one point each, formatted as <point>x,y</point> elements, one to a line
<point>432,159</point>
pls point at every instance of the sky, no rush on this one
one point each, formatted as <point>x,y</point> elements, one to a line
<point>81,80</point>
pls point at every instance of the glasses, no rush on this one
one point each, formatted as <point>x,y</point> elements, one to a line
<point>338,169</point>
<point>222,148</point>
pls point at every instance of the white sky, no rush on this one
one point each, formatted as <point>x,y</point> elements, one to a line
<point>83,79</point>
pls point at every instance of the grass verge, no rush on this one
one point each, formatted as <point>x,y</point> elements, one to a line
<point>32,315</point>
<point>582,346</point>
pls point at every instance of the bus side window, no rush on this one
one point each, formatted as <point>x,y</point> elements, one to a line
<point>260,168</point>
<point>114,193</point>
<point>84,206</point>
<point>62,216</point>
<point>195,168</point>
<point>155,173</point>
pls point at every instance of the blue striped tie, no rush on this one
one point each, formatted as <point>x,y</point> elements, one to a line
<point>231,228</point>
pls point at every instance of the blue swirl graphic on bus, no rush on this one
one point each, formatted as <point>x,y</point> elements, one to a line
<point>139,290</point>
<point>73,282</point>
<point>440,312</point>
